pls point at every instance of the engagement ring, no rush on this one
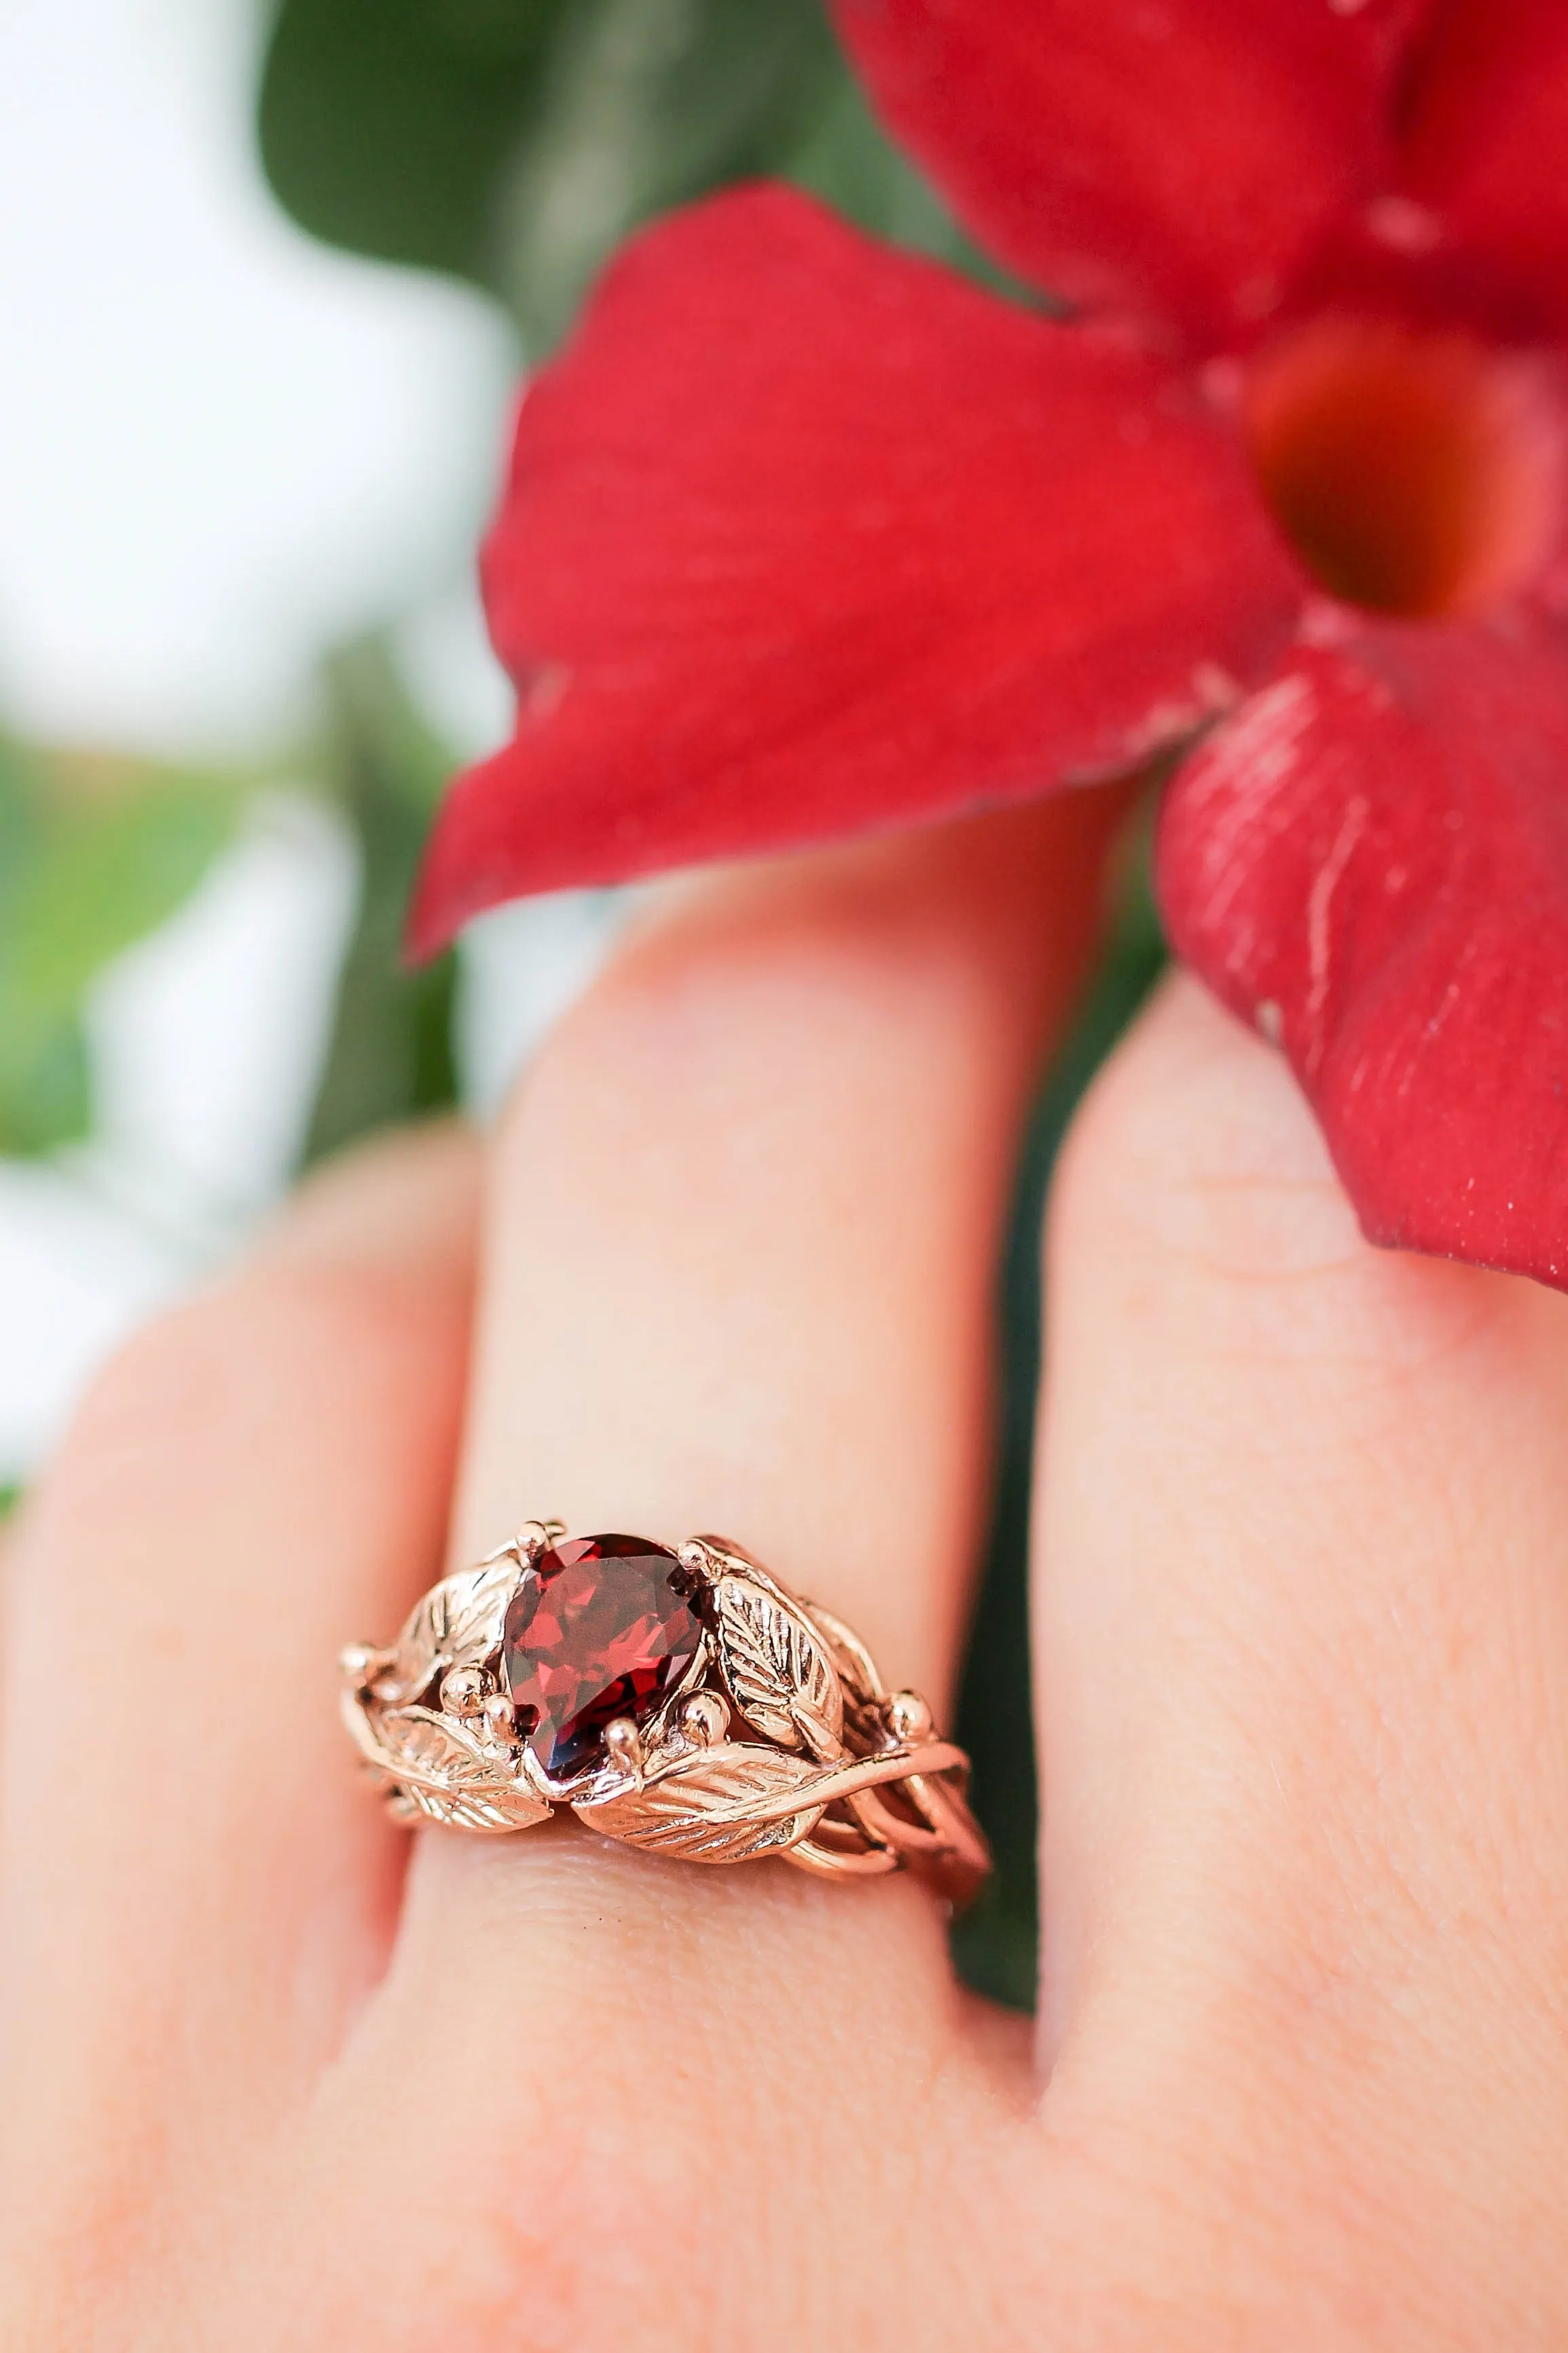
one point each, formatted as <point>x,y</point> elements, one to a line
<point>684,1702</point>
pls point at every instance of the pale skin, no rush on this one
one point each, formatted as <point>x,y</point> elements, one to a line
<point>277,2076</point>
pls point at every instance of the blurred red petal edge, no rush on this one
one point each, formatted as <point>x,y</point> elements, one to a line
<point>805,537</point>
<point>1177,161</point>
<point>1369,861</point>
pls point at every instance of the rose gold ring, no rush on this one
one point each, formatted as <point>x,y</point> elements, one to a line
<point>684,1702</point>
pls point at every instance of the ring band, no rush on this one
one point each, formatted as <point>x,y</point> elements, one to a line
<point>684,1702</point>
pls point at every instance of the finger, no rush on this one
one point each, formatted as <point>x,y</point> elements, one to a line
<point>1302,1638</point>
<point>742,1234</point>
<point>195,1894</point>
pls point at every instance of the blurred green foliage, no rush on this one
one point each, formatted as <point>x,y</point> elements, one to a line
<point>515,143</point>
<point>391,1055</point>
<point>94,853</point>
<point>385,124</point>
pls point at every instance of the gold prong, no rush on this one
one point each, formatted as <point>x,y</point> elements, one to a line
<point>353,1663</point>
<point>705,1718</point>
<point>698,1557</point>
<point>463,1692</point>
<point>909,1718</point>
<point>535,1537</point>
<point>499,1718</point>
<point>623,1745</point>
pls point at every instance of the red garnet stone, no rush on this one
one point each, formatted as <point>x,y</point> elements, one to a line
<point>600,1627</point>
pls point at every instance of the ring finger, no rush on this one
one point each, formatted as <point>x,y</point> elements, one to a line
<point>741,1239</point>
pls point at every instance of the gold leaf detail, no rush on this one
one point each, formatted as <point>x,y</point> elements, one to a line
<point>446,1772</point>
<point>704,1810</point>
<point>856,1669</point>
<point>776,1667</point>
<point>458,1624</point>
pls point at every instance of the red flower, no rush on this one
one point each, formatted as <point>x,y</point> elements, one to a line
<point>805,537</point>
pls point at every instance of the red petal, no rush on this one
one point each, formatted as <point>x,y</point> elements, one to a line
<point>1371,861</point>
<point>1178,157</point>
<point>803,537</point>
<point>1489,137</point>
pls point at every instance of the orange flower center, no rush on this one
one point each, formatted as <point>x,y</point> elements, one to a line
<point>1415,472</point>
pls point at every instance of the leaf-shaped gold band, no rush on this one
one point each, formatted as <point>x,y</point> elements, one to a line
<point>777,1737</point>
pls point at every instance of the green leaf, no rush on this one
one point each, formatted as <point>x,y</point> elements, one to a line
<point>102,874</point>
<point>44,1098</point>
<point>645,104</point>
<point>516,141</point>
<point>390,1057</point>
<point>385,124</point>
<point>94,853</point>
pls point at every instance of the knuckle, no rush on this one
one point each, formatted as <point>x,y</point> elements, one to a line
<point>1195,1139</point>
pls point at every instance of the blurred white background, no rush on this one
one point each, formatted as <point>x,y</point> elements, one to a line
<point>221,448</point>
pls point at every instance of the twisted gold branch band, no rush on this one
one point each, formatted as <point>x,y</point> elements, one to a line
<point>684,1702</point>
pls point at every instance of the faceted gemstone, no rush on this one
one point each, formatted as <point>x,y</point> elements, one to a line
<point>600,1627</point>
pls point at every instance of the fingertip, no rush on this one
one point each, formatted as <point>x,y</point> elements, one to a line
<point>1194,1138</point>
<point>1185,1042</point>
<point>1195,1173</point>
<point>1004,903</point>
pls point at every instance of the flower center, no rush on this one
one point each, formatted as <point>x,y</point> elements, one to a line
<point>1415,472</point>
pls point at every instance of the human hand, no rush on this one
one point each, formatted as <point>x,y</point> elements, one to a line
<point>275,2075</point>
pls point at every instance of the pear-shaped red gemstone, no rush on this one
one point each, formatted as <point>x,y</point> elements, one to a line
<point>600,1627</point>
